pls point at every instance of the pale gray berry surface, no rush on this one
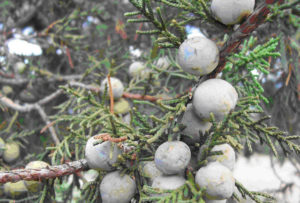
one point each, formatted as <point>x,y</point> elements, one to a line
<point>193,125</point>
<point>136,68</point>
<point>226,159</point>
<point>163,62</point>
<point>230,12</point>
<point>168,182</point>
<point>215,96</point>
<point>172,157</point>
<point>116,85</point>
<point>149,170</point>
<point>198,56</point>
<point>115,188</point>
<point>98,156</point>
<point>217,179</point>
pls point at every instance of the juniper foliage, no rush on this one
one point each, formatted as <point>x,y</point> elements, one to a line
<point>86,112</point>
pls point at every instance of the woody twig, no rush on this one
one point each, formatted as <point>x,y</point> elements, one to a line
<point>49,172</point>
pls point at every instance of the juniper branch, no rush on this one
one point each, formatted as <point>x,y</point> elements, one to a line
<point>49,172</point>
<point>96,89</point>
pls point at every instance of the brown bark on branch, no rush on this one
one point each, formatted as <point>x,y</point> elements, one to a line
<point>257,18</point>
<point>128,95</point>
<point>44,173</point>
<point>140,97</point>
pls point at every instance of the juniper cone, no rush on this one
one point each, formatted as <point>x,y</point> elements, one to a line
<point>116,85</point>
<point>227,158</point>
<point>198,56</point>
<point>101,156</point>
<point>231,12</point>
<point>170,182</point>
<point>11,152</point>
<point>136,68</point>
<point>214,96</point>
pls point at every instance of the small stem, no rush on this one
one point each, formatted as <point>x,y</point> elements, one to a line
<point>13,120</point>
<point>111,96</point>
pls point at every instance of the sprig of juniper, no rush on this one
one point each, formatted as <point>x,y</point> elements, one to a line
<point>171,32</point>
<point>244,68</point>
